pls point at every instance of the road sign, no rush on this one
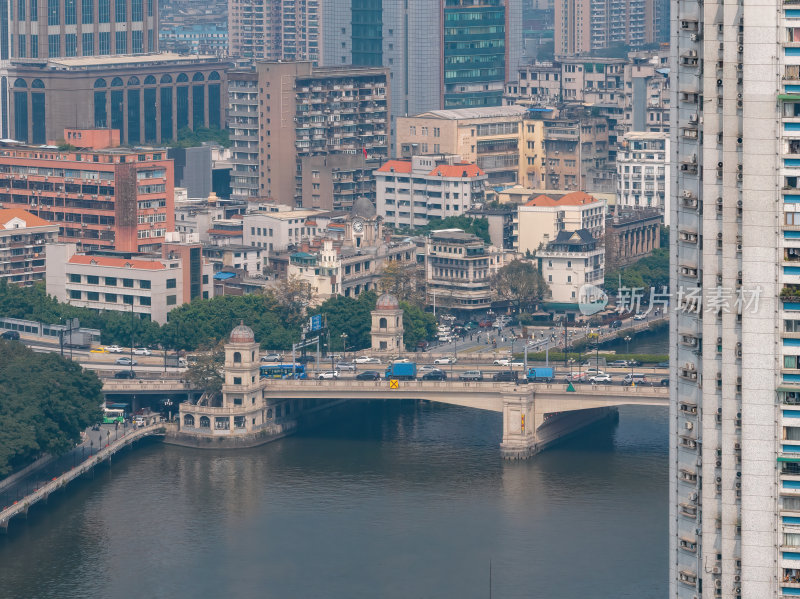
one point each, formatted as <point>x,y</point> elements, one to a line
<point>316,322</point>
<point>394,384</point>
<point>570,388</point>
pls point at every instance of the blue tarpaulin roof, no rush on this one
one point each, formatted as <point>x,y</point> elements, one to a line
<point>221,276</point>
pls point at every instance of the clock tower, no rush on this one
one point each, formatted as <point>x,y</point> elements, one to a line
<point>363,231</point>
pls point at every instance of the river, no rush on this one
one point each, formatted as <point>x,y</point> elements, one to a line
<point>390,500</point>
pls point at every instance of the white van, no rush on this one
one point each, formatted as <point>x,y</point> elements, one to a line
<point>634,378</point>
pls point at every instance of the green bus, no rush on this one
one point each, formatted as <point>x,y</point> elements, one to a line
<point>112,415</point>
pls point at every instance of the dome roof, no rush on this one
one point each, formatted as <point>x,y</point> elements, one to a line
<point>242,334</point>
<point>387,302</point>
<point>364,208</point>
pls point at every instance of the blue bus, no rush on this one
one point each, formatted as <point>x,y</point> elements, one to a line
<point>283,371</point>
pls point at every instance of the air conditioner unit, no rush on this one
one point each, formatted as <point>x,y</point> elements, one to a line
<point>739,176</point>
<point>737,446</point>
<point>718,583</point>
<point>718,463</point>
<point>719,479</point>
<point>716,570</point>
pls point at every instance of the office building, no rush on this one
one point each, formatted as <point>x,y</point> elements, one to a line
<point>23,238</point>
<point>274,29</point>
<point>38,31</point>
<point>429,48</point>
<point>148,98</point>
<point>411,192</point>
<point>322,134</point>
<point>100,197</point>
<point>643,170</point>
<point>734,461</point>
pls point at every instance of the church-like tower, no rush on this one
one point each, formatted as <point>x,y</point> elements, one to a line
<point>387,325</point>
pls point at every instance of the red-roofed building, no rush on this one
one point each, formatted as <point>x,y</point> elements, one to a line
<point>109,198</point>
<point>23,237</point>
<point>411,192</point>
<point>147,286</point>
<point>543,217</point>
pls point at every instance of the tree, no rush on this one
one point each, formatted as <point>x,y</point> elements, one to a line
<point>477,226</point>
<point>294,294</point>
<point>418,325</point>
<point>650,272</point>
<point>400,279</point>
<point>207,372</point>
<point>351,316</point>
<point>520,283</point>
<point>46,402</point>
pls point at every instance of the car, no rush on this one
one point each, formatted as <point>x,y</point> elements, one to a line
<point>369,375</point>
<point>575,377</point>
<point>485,324</point>
<point>434,375</point>
<point>11,335</point>
<point>444,361</point>
<point>618,364</point>
<point>329,374</point>
<point>615,324</point>
<point>141,351</point>
<point>634,363</point>
<point>401,361</point>
<point>427,368</point>
<point>593,371</point>
<point>125,361</point>
<point>600,377</point>
<point>113,349</point>
<point>305,359</point>
<point>272,358</point>
<point>665,382</point>
<point>506,376</point>
<point>349,366</point>
<point>125,374</point>
<point>471,375</point>
<point>139,421</point>
<point>640,316</point>
<point>422,345</point>
<point>97,350</point>
<point>501,362</point>
<point>366,360</point>
<point>634,378</point>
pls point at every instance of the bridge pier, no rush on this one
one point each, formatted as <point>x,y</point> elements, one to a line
<point>519,427</point>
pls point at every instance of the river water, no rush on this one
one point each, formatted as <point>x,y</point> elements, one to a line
<point>390,500</point>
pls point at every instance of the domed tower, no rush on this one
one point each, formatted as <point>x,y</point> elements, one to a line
<point>387,325</point>
<point>242,362</point>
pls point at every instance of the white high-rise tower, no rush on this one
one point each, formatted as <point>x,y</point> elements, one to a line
<point>735,241</point>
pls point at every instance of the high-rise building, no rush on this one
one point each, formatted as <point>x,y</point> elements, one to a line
<point>243,128</point>
<point>274,29</point>
<point>62,28</point>
<point>734,458</point>
<point>322,133</point>
<point>440,53</point>
<point>584,26</point>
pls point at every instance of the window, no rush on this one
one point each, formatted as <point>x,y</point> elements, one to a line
<point>171,300</point>
<point>104,12</point>
<point>74,294</point>
<point>73,278</point>
<point>87,12</point>
<point>34,11</point>
<point>127,282</point>
<point>172,283</point>
<point>34,42</point>
<point>53,12</point>
<point>71,44</point>
<point>70,17</point>
<point>93,296</point>
<point>136,11</point>
<point>120,11</point>
<point>111,298</point>
<point>21,50</point>
<point>104,42</point>
<point>54,45</point>
<point>87,41</point>
<point>21,10</point>
<point>121,41</point>
<point>136,42</point>
<point>92,279</point>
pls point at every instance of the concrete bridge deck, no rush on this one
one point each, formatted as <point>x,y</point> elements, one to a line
<point>21,507</point>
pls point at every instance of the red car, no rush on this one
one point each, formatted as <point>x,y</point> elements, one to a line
<point>485,323</point>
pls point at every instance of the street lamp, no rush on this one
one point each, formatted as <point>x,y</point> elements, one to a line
<point>344,346</point>
<point>628,350</point>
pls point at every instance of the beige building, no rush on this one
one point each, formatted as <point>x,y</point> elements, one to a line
<point>542,218</point>
<point>322,133</point>
<point>275,230</point>
<point>487,137</point>
<point>459,268</point>
<point>572,260</point>
<point>23,238</point>
<point>386,332</point>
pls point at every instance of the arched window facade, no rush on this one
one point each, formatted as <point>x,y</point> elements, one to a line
<point>237,357</point>
<point>382,323</point>
<point>188,420</point>
<point>149,80</point>
<point>100,83</point>
<point>205,422</point>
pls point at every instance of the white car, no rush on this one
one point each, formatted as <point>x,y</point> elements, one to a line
<point>426,368</point>
<point>330,374</point>
<point>501,362</point>
<point>346,366</point>
<point>114,349</point>
<point>366,360</point>
<point>444,361</point>
<point>639,316</point>
<point>401,361</point>
<point>518,363</point>
<point>141,351</point>
<point>601,378</point>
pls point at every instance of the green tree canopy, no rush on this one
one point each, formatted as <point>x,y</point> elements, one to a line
<point>188,138</point>
<point>352,316</point>
<point>418,325</point>
<point>651,271</point>
<point>478,226</point>
<point>520,283</point>
<point>45,404</point>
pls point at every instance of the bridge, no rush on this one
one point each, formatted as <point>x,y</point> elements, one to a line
<point>21,507</point>
<point>534,415</point>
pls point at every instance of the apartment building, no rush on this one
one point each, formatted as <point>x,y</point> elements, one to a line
<point>148,98</point>
<point>275,29</point>
<point>459,268</point>
<point>487,137</point>
<point>643,171</point>
<point>148,287</point>
<point>84,28</point>
<point>734,461</point>
<point>571,260</point>
<point>577,153</point>
<point>100,197</point>
<point>647,93</point>
<point>411,192</point>
<point>323,132</point>
<point>194,38</point>
<point>23,238</point>
<point>542,218</point>
<point>243,130</point>
<point>277,230</point>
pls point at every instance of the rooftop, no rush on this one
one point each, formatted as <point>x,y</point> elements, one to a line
<point>127,60</point>
<point>575,198</point>
<point>474,113</point>
<point>117,262</point>
<point>8,215</point>
<point>287,214</point>
<point>454,171</point>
